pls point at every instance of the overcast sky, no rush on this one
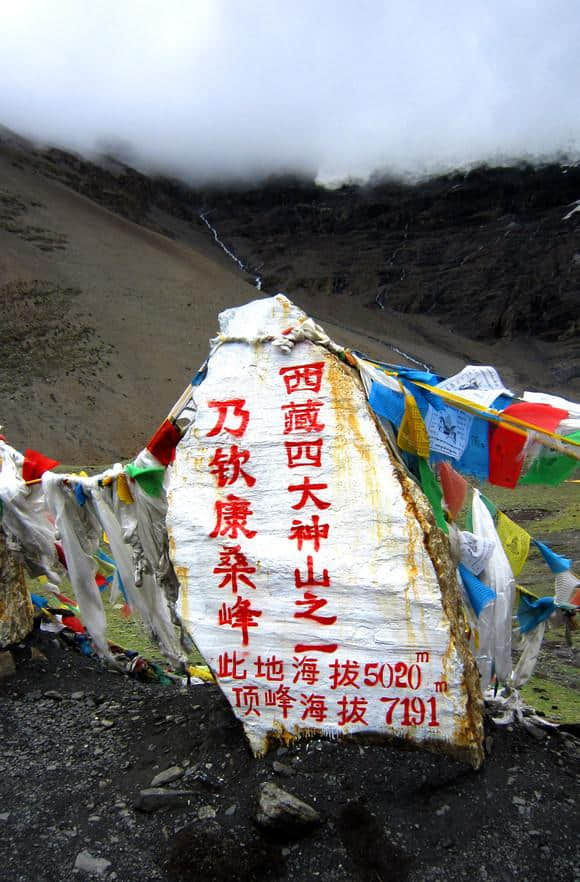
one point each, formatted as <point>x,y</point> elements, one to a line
<point>340,87</point>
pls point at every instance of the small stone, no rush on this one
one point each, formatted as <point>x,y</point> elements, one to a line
<point>94,819</point>
<point>54,694</point>
<point>489,744</point>
<point>518,800</point>
<point>87,863</point>
<point>7,666</point>
<point>153,798</point>
<point>4,816</point>
<point>443,810</point>
<point>282,769</point>
<point>206,812</point>
<point>231,810</point>
<point>77,696</point>
<point>173,773</point>
<point>107,724</point>
<point>280,810</point>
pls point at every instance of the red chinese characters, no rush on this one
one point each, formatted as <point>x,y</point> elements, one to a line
<point>241,615</point>
<point>232,417</point>
<point>234,567</point>
<point>233,521</point>
<point>227,467</point>
<point>232,517</point>
<point>304,453</point>
<point>303,377</point>
<point>300,417</point>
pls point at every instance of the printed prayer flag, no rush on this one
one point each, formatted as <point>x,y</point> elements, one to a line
<point>515,541</point>
<point>413,436</point>
<point>449,430</point>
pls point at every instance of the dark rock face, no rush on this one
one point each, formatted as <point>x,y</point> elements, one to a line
<point>488,251</point>
<point>492,252</point>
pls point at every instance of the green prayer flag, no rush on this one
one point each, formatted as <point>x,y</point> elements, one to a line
<point>149,479</point>
<point>551,467</point>
<point>432,491</point>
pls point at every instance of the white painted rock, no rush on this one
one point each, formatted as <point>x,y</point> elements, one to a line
<point>312,578</point>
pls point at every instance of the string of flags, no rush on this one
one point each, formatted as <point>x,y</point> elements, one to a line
<point>471,425</point>
<point>443,430</point>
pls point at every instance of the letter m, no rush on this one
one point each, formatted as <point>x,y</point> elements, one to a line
<point>422,657</point>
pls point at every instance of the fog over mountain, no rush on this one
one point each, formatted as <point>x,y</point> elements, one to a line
<point>222,89</point>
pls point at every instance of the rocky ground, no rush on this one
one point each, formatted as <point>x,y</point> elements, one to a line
<point>81,797</point>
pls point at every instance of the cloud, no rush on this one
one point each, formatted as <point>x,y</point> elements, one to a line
<point>227,88</point>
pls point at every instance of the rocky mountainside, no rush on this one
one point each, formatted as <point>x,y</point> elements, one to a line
<point>111,281</point>
<point>494,253</point>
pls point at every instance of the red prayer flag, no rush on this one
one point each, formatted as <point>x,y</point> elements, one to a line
<point>36,464</point>
<point>164,442</point>
<point>74,624</point>
<point>505,446</point>
<point>454,488</point>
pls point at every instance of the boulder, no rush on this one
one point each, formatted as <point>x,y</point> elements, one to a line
<point>313,577</point>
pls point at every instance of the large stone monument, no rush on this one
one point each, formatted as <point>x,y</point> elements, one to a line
<point>313,578</point>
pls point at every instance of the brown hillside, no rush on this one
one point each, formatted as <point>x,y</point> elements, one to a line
<point>110,287</point>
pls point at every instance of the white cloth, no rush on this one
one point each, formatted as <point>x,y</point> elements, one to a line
<point>497,573</point>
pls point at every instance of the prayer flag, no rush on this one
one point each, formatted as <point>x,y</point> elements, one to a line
<point>123,491</point>
<point>506,446</point>
<point>36,464</point>
<point>454,488</point>
<point>515,541</point>
<point>551,467</point>
<point>150,479</point>
<point>479,595</point>
<point>432,491</point>
<point>163,443</point>
<point>556,562</point>
<point>387,403</point>
<point>412,435</point>
<point>531,613</point>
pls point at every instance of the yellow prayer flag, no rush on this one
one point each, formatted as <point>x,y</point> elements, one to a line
<point>413,436</point>
<point>123,490</point>
<point>515,541</point>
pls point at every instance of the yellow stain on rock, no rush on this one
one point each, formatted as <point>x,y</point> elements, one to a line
<point>182,574</point>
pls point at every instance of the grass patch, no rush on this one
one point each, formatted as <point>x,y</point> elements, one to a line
<point>554,701</point>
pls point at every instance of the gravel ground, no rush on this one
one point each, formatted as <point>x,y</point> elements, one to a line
<point>80,744</point>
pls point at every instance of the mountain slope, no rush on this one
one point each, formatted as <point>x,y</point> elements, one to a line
<point>111,284</point>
